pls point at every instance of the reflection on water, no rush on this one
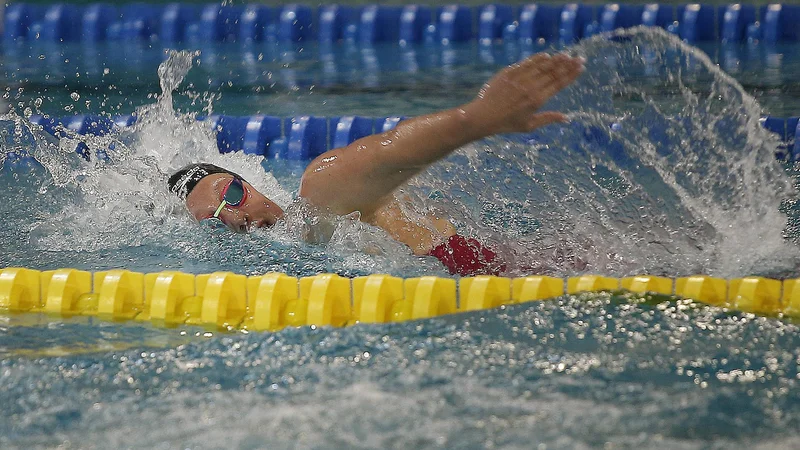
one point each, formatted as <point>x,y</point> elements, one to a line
<point>664,169</point>
<point>331,80</point>
<point>574,372</point>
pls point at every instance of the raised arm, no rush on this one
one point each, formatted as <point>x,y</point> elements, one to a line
<point>361,176</point>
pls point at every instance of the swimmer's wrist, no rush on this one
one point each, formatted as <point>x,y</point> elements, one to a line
<point>473,123</point>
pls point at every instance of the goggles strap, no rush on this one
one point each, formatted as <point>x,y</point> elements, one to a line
<point>221,205</point>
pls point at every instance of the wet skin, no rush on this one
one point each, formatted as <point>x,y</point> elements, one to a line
<point>365,175</point>
<point>257,210</point>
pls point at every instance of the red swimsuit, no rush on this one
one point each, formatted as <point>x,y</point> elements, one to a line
<point>467,257</point>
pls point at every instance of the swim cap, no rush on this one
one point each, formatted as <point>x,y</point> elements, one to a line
<point>182,182</point>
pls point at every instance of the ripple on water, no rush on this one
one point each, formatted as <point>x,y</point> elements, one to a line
<point>574,372</point>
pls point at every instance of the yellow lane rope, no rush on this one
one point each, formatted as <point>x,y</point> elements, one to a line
<point>230,301</point>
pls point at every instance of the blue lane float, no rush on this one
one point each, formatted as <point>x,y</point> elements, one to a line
<point>295,23</point>
<point>96,21</point>
<point>697,23</point>
<point>780,22</point>
<point>175,18</point>
<point>492,19</point>
<point>655,15</point>
<point>793,123</point>
<point>415,21</point>
<point>135,22</point>
<point>575,18</point>
<point>259,133</point>
<point>620,16</point>
<point>176,22</point>
<point>305,137</point>
<point>60,23</point>
<point>334,21</point>
<point>379,24</point>
<point>735,21</point>
<point>254,21</point>
<point>229,130</point>
<point>18,17</point>
<point>79,124</point>
<point>455,23</point>
<point>217,24</point>
<point>539,22</point>
<point>344,130</point>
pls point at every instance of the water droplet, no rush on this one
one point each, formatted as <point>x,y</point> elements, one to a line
<point>75,96</point>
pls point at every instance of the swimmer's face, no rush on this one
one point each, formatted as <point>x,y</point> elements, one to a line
<point>255,211</point>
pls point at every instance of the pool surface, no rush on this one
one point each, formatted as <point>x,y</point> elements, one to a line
<point>664,169</point>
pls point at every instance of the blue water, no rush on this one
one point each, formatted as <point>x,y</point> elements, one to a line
<point>284,80</point>
<point>575,372</point>
<point>684,182</point>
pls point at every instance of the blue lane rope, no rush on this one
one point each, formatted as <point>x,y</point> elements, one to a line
<point>305,137</point>
<point>180,23</point>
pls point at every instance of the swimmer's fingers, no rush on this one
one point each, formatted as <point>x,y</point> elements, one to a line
<point>530,78</point>
<point>545,118</point>
<point>510,100</point>
<point>532,65</point>
<point>558,75</point>
<point>553,75</point>
<point>566,75</point>
<point>517,77</point>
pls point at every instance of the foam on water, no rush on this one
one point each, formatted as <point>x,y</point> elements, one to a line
<point>577,372</point>
<point>122,202</point>
<point>664,169</point>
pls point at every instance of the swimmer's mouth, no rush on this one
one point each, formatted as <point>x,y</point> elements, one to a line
<point>241,228</point>
<point>255,224</point>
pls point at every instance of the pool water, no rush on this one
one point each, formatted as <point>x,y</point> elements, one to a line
<point>333,80</point>
<point>664,169</point>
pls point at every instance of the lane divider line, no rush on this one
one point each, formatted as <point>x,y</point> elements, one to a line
<point>228,301</point>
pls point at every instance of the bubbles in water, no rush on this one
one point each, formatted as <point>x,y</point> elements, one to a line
<point>75,96</point>
<point>119,195</point>
<point>664,169</point>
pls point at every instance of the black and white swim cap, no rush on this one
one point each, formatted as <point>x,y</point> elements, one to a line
<point>182,182</point>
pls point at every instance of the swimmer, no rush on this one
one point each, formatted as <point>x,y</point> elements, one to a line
<point>364,175</point>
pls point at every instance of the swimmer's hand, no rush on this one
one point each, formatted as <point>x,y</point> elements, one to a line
<point>510,101</point>
<point>363,176</point>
